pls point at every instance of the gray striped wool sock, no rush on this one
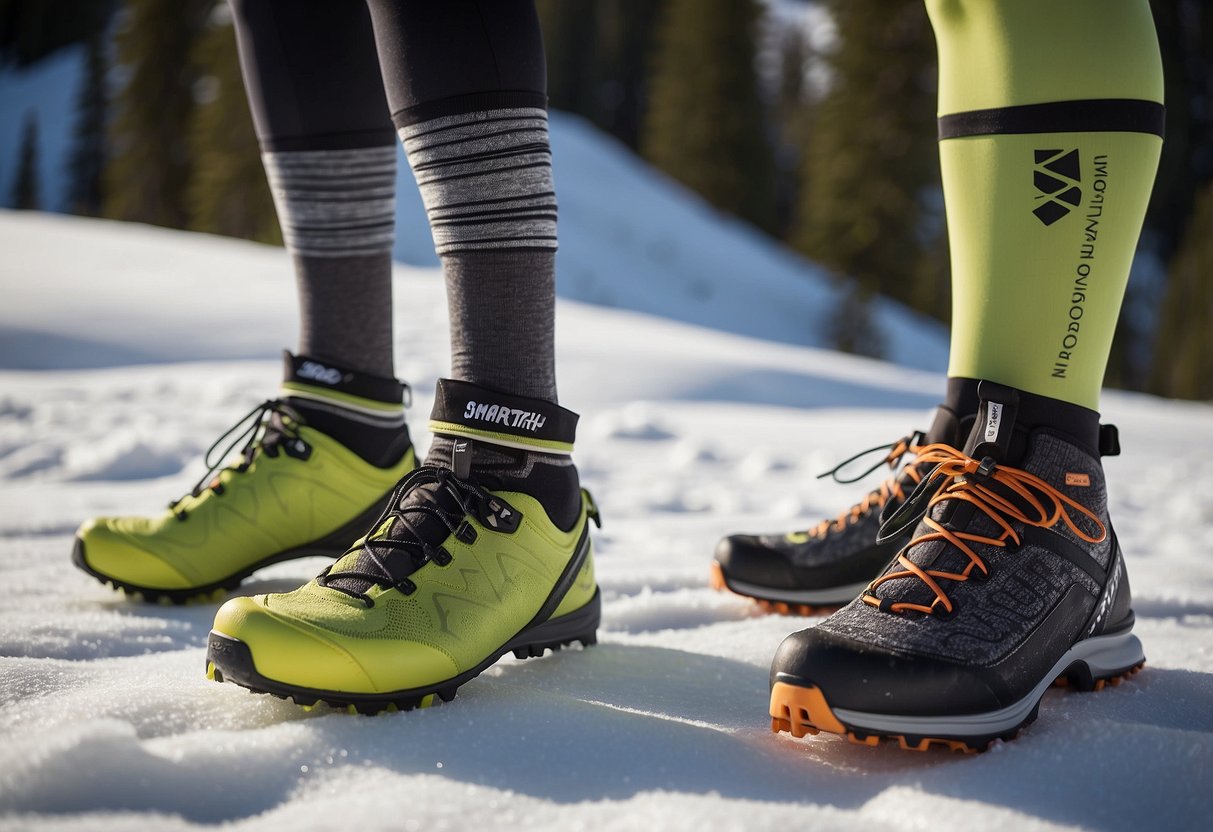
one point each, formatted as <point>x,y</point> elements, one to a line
<point>486,180</point>
<point>337,210</point>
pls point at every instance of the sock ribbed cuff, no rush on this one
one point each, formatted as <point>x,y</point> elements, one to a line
<point>335,203</point>
<point>485,178</point>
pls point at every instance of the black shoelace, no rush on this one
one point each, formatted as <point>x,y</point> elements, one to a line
<point>259,434</point>
<point>389,560</point>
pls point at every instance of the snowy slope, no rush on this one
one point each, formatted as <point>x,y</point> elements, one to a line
<point>629,238</point>
<point>107,722</point>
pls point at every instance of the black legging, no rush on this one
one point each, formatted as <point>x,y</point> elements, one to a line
<point>316,71</point>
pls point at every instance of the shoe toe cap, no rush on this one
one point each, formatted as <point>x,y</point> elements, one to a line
<point>108,553</point>
<point>300,653</point>
<point>743,557</point>
<point>863,677</point>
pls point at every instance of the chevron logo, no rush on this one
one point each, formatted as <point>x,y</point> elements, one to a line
<point>1056,178</point>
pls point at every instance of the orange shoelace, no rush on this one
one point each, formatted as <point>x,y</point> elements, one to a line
<point>888,490</point>
<point>965,479</point>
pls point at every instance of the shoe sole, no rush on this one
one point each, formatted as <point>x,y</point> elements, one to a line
<point>332,545</point>
<point>800,708</point>
<point>787,602</point>
<point>230,660</point>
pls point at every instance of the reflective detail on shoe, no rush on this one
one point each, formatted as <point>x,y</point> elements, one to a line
<point>508,440</point>
<point>345,400</point>
<point>801,708</point>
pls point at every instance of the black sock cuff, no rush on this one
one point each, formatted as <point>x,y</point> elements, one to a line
<point>1007,416</point>
<point>469,410</point>
<point>317,373</point>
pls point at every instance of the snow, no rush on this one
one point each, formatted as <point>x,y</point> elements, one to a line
<point>629,238</point>
<point>128,349</point>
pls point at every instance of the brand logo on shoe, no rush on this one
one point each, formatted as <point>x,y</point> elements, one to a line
<point>1056,177</point>
<point>510,417</point>
<point>318,372</point>
<point>993,421</point>
<point>1077,479</point>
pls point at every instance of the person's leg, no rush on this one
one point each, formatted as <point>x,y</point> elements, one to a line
<point>485,549</point>
<point>328,145</point>
<point>319,462</point>
<point>1050,126</point>
<point>476,134</point>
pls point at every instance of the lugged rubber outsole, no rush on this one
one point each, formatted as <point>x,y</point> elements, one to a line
<point>803,711</point>
<point>230,660</point>
<point>332,545</point>
<point>719,582</point>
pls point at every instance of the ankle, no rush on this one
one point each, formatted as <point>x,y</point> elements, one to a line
<point>365,413</point>
<point>508,443</point>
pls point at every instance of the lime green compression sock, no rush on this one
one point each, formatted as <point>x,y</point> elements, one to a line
<point>1050,125</point>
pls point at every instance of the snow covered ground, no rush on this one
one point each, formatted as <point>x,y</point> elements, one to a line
<point>107,722</point>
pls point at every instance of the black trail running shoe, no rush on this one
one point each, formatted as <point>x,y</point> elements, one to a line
<point>1013,580</point>
<point>829,564</point>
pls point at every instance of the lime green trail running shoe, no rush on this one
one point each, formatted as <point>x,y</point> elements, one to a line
<point>483,551</point>
<point>293,491</point>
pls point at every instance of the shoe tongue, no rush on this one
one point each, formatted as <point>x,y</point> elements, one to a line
<point>416,525</point>
<point>992,432</point>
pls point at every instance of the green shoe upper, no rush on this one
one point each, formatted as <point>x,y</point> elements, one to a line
<point>292,492</point>
<point>455,569</point>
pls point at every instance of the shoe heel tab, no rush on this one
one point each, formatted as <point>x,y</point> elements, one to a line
<point>591,507</point>
<point>1109,440</point>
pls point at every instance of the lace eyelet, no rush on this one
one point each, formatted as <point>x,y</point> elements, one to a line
<point>941,612</point>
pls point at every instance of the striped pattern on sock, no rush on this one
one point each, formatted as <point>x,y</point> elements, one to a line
<point>486,179</point>
<point>335,203</point>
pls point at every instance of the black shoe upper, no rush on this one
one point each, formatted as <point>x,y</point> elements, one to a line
<point>989,636</point>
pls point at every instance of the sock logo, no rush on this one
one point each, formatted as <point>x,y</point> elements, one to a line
<point>1056,177</point>
<point>511,417</point>
<point>318,372</point>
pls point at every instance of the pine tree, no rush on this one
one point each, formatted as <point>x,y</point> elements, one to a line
<point>27,194</point>
<point>228,193</point>
<point>87,165</point>
<point>1183,358</point>
<point>870,207</point>
<point>149,166</point>
<point>597,57</point>
<point>705,123</point>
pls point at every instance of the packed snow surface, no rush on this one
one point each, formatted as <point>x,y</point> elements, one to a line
<point>107,721</point>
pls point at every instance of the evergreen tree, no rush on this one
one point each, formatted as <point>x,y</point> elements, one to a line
<point>870,207</point>
<point>597,56</point>
<point>705,123</point>
<point>792,117</point>
<point>26,194</point>
<point>87,165</point>
<point>1184,360</point>
<point>149,166</point>
<point>228,193</point>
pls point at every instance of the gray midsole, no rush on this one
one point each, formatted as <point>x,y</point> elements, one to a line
<point>1103,655</point>
<point>832,595</point>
